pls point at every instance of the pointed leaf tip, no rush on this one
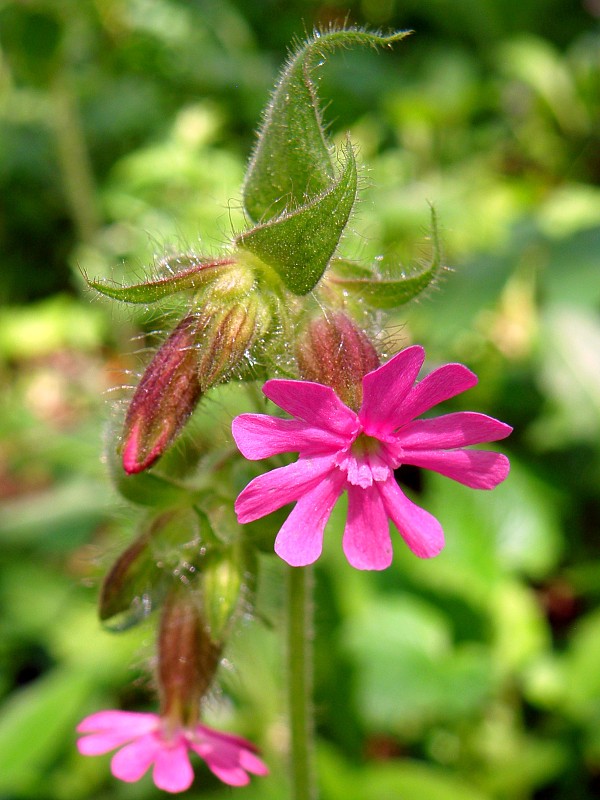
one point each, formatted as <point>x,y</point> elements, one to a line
<point>387,292</point>
<point>292,160</point>
<point>192,277</point>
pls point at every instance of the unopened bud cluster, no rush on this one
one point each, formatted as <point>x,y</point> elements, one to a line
<point>206,347</point>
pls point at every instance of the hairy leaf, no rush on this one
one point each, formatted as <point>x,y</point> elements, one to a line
<point>292,161</point>
<point>387,292</point>
<point>192,277</point>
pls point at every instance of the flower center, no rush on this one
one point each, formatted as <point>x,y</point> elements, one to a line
<point>365,445</point>
<point>364,462</point>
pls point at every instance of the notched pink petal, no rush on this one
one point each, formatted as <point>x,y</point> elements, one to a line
<point>172,769</point>
<point>317,405</point>
<point>260,436</point>
<point>107,730</point>
<point>266,493</point>
<point>477,469</point>
<point>385,389</point>
<point>232,776</point>
<point>216,739</point>
<point>133,722</point>
<point>133,761</point>
<point>366,542</point>
<point>96,744</point>
<point>420,530</point>
<point>228,757</point>
<point>252,763</point>
<point>449,431</point>
<point>300,540</point>
<point>437,387</point>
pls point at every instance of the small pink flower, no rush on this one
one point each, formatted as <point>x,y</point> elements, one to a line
<point>340,449</point>
<point>147,740</point>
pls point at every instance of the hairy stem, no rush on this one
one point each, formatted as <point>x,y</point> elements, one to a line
<point>299,655</point>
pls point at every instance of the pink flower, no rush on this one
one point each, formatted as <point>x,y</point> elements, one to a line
<point>148,741</point>
<point>340,449</point>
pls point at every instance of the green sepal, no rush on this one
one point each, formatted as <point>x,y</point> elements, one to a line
<point>168,548</point>
<point>299,245</point>
<point>152,490</point>
<point>292,161</point>
<point>192,277</point>
<point>228,577</point>
<point>387,291</point>
<point>145,488</point>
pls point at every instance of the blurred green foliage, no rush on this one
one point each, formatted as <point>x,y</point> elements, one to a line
<point>125,126</point>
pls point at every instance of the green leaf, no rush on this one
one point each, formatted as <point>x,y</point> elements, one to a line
<point>292,160</point>
<point>387,292</point>
<point>35,724</point>
<point>192,277</point>
<point>299,245</point>
<point>404,778</point>
<point>409,673</point>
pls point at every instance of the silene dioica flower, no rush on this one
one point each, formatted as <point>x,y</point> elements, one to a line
<point>148,739</point>
<point>187,660</point>
<point>342,449</point>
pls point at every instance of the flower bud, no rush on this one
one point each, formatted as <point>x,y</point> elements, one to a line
<point>223,581</point>
<point>333,351</point>
<point>187,657</point>
<point>168,546</point>
<point>164,398</point>
<point>228,332</point>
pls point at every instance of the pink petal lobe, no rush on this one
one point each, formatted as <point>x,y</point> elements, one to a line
<point>437,387</point>
<point>224,756</point>
<point>108,730</point>
<point>252,763</point>
<point>133,761</point>
<point>420,530</point>
<point>216,739</point>
<point>245,750</point>
<point>272,490</point>
<point>172,769</point>
<point>478,469</point>
<point>385,389</point>
<point>300,540</point>
<point>313,403</point>
<point>132,722</point>
<point>451,430</point>
<point>260,436</point>
<point>366,540</point>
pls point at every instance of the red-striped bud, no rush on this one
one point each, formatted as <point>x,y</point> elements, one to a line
<point>187,657</point>
<point>334,351</point>
<point>228,332</point>
<point>164,398</point>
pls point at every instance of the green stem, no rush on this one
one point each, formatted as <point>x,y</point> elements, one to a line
<point>299,655</point>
